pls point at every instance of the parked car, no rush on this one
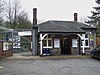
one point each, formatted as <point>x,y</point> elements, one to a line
<point>96,53</point>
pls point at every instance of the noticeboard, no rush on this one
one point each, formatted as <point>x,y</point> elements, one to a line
<point>74,42</point>
<point>7,46</point>
<point>56,43</point>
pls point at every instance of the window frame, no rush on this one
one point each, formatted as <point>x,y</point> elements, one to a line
<point>86,39</point>
<point>47,39</point>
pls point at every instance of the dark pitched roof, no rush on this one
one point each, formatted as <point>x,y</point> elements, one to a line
<point>62,26</point>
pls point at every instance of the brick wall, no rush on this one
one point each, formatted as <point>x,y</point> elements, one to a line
<point>4,53</point>
<point>98,41</point>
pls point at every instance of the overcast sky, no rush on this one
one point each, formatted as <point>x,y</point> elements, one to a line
<point>59,9</point>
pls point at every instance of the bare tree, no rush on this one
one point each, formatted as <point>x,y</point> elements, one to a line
<point>16,9</point>
<point>12,9</point>
<point>9,13</point>
<point>23,21</point>
<point>17,17</point>
<point>1,10</point>
<point>83,19</point>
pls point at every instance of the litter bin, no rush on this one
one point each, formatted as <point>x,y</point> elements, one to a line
<point>46,51</point>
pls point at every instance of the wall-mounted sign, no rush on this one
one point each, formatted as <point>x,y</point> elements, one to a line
<point>56,43</point>
<point>7,46</point>
<point>74,42</point>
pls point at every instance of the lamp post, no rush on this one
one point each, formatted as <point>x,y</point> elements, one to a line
<point>12,36</point>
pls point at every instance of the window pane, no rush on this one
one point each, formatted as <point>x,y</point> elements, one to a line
<point>49,35</point>
<point>86,42</point>
<point>86,36</point>
<point>81,43</point>
<point>44,43</point>
<point>49,42</point>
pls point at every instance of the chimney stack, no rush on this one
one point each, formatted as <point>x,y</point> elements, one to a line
<point>35,16</point>
<point>75,16</point>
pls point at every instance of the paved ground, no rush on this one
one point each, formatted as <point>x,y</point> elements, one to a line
<point>50,67</point>
<point>28,55</point>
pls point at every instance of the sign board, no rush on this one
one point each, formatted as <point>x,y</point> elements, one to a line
<point>56,43</point>
<point>74,42</point>
<point>7,46</point>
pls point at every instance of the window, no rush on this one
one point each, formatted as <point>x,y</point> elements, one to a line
<point>98,48</point>
<point>44,43</point>
<point>47,41</point>
<point>86,38</point>
<point>86,43</point>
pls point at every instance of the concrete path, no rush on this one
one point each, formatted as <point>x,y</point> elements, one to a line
<point>28,55</point>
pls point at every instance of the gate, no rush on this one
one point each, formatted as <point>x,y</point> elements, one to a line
<point>22,41</point>
<point>20,38</point>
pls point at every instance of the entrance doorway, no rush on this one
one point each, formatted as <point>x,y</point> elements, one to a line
<point>66,46</point>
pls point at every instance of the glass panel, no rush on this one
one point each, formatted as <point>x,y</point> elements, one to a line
<point>44,42</point>
<point>98,48</point>
<point>49,35</point>
<point>86,43</point>
<point>49,42</point>
<point>81,43</point>
<point>86,36</point>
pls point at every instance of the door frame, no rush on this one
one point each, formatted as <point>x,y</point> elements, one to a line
<point>67,52</point>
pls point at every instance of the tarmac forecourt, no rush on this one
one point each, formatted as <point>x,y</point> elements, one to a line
<point>49,57</point>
